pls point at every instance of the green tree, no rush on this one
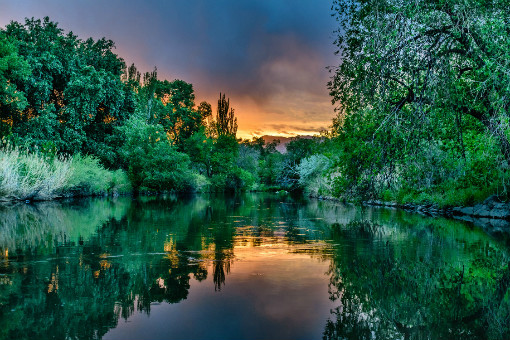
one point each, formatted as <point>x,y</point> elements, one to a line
<point>270,165</point>
<point>397,58</point>
<point>179,116</point>
<point>171,104</point>
<point>413,76</point>
<point>147,93</point>
<point>13,70</point>
<point>225,152</point>
<point>288,174</point>
<point>152,161</point>
<point>74,93</point>
<point>200,149</point>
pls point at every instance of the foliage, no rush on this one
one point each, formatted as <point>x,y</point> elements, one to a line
<point>269,168</point>
<point>65,97</point>
<point>27,177</point>
<point>233,167</point>
<point>176,113</point>
<point>226,123</point>
<point>313,175</point>
<point>35,176</point>
<point>152,162</point>
<point>88,177</point>
<point>13,69</point>
<point>421,96</point>
<point>72,95</point>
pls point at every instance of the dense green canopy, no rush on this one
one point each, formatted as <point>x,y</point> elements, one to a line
<point>422,93</point>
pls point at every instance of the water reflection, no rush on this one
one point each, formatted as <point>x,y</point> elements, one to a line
<point>75,268</point>
<point>90,268</point>
<point>430,286</point>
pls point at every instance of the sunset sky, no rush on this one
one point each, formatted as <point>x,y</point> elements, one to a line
<point>268,56</point>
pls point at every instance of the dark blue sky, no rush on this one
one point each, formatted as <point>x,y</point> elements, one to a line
<point>268,56</point>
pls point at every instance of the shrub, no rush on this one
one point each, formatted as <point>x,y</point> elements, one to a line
<point>313,175</point>
<point>200,182</point>
<point>30,176</point>
<point>120,183</point>
<point>33,176</point>
<point>87,177</point>
<point>153,163</point>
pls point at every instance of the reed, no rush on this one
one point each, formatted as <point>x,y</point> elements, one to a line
<point>33,176</point>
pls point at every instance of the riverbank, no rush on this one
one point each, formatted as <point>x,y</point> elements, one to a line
<point>492,215</point>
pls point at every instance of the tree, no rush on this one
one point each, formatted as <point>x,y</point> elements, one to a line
<point>226,123</point>
<point>199,147</point>
<point>152,162</point>
<point>13,69</point>
<point>172,105</point>
<point>408,58</point>
<point>181,119</point>
<point>74,93</point>
<point>414,74</point>
<point>133,75</point>
<point>205,110</point>
<point>148,91</point>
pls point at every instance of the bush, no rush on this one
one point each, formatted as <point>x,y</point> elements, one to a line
<point>313,175</point>
<point>33,176</point>
<point>218,182</point>
<point>153,163</point>
<point>87,177</point>
<point>164,168</point>
<point>201,183</point>
<point>244,179</point>
<point>120,183</point>
<point>25,176</point>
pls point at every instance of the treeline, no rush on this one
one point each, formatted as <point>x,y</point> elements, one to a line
<point>421,92</point>
<point>75,120</point>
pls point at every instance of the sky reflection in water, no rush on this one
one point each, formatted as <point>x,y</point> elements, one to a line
<point>268,293</point>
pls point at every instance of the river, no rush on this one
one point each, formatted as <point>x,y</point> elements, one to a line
<point>248,266</point>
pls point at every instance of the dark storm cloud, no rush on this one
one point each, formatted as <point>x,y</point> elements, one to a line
<point>247,48</point>
<point>257,51</point>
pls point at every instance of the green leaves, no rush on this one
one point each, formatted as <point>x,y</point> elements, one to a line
<point>77,81</point>
<point>152,162</point>
<point>13,69</point>
<point>415,80</point>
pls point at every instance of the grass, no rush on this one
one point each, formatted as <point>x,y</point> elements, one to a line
<point>443,197</point>
<point>32,176</point>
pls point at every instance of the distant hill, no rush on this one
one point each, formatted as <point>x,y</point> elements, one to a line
<point>282,147</point>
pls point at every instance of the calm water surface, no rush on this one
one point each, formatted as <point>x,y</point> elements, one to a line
<point>251,266</point>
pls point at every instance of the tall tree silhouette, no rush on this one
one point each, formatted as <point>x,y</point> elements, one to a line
<point>150,81</point>
<point>226,123</point>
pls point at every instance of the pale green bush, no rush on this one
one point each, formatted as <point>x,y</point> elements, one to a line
<point>33,176</point>
<point>313,175</point>
<point>87,177</point>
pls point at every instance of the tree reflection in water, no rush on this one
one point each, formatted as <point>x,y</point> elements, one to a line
<point>221,267</point>
<point>73,270</point>
<point>390,291</point>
